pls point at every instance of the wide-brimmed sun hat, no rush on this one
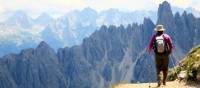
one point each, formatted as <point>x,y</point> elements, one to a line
<point>159,28</point>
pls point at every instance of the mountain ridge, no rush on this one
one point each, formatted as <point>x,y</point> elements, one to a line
<point>74,27</point>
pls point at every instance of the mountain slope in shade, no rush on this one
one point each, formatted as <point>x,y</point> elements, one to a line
<point>33,68</point>
<point>94,59</point>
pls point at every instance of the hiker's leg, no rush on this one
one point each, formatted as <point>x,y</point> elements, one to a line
<point>165,68</point>
<point>158,68</point>
<point>164,76</point>
<point>158,77</point>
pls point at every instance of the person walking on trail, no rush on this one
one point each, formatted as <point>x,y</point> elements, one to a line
<point>161,43</point>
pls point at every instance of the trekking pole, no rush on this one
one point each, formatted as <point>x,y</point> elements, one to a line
<point>149,80</point>
<point>173,64</point>
<point>149,66</point>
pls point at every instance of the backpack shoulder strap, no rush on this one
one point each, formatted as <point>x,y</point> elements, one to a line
<point>154,38</point>
<point>166,41</point>
<point>164,37</point>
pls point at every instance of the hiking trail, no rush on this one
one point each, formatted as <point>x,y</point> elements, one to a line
<point>171,84</point>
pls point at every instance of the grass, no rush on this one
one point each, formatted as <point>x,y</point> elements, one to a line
<point>191,63</point>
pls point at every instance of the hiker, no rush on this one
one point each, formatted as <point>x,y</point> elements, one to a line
<point>162,45</point>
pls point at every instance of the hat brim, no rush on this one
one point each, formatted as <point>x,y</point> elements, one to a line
<point>159,29</point>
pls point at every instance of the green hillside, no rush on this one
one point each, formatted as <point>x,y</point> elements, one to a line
<point>190,65</point>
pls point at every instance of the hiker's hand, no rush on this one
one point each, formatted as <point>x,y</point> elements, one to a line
<point>149,51</point>
<point>170,51</point>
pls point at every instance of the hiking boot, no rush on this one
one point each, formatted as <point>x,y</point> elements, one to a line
<point>159,84</point>
<point>164,83</point>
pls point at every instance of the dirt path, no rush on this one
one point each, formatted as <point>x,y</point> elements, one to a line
<point>173,84</point>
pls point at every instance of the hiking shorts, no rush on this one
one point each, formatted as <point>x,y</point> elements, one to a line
<point>162,61</point>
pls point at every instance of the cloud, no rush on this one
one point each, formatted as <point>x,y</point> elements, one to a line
<point>182,3</point>
<point>2,10</point>
<point>63,6</point>
<point>67,5</point>
<point>120,4</point>
<point>197,5</point>
<point>41,5</point>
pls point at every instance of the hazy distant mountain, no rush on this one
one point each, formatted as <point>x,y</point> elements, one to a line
<point>189,10</point>
<point>20,31</point>
<point>43,19</point>
<point>116,17</point>
<point>109,55</point>
<point>19,18</point>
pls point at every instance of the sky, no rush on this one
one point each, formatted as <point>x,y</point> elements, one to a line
<point>63,6</point>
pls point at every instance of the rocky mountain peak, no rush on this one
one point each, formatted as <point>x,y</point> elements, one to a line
<point>20,18</point>
<point>177,15</point>
<point>44,47</point>
<point>165,13</point>
<point>147,21</point>
<point>43,44</point>
<point>44,19</point>
<point>164,7</point>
